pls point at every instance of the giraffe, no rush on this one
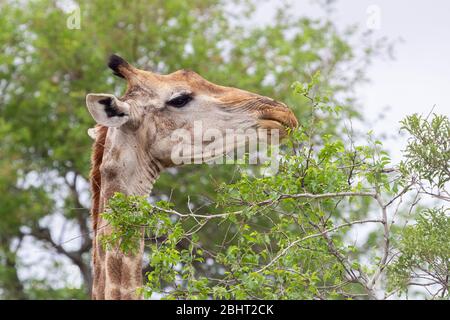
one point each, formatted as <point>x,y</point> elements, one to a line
<point>133,146</point>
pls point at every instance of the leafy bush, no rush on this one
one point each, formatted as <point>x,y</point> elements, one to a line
<point>291,235</point>
<point>424,254</point>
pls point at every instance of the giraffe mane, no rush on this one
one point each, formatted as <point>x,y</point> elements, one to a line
<point>95,176</point>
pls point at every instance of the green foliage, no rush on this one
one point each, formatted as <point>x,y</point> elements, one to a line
<point>46,70</point>
<point>40,290</point>
<point>247,234</point>
<point>286,235</point>
<point>424,254</point>
<point>428,152</point>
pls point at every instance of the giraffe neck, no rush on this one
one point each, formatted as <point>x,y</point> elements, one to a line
<point>117,275</point>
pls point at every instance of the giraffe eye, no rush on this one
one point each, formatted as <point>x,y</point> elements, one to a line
<point>180,101</point>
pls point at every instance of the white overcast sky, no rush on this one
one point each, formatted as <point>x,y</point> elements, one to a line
<point>418,77</point>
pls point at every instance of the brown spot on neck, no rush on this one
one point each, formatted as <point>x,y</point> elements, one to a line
<point>114,269</point>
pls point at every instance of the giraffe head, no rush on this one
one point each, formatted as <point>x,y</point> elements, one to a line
<point>155,105</point>
<point>135,141</point>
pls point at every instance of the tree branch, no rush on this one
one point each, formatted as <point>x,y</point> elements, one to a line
<point>285,250</point>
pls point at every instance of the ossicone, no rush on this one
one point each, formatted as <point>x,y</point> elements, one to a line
<point>119,66</point>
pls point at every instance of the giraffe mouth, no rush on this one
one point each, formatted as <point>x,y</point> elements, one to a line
<point>281,120</point>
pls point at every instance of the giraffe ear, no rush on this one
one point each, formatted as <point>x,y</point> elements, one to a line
<point>107,110</point>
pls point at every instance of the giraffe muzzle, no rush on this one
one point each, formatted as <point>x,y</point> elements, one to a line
<point>280,119</point>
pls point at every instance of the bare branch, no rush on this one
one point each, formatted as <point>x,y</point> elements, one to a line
<point>285,250</point>
<point>317,196</point>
